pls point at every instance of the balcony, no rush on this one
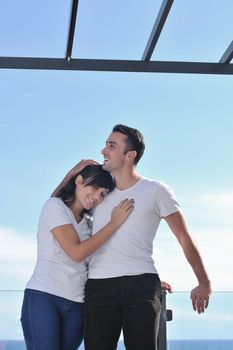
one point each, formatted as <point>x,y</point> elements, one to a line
<point>186,331</point>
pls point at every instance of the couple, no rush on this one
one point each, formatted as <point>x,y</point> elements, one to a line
<point>123,289</point>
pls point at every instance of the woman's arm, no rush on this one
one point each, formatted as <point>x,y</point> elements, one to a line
<point>79,250</point>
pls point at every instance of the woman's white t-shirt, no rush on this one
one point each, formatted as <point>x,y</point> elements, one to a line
<point>55,272</point>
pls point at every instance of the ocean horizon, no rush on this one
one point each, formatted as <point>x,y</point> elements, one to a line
<point>187,344</point>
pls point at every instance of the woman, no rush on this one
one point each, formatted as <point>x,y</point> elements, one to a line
<point>52,311</point>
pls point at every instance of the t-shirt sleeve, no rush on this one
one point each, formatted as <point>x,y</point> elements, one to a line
<point>166,202</point>
<point>55,213</point>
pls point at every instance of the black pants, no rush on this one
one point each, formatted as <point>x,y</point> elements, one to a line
<point>128,303</point>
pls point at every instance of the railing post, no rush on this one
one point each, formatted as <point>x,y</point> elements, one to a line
<point>166,315</point>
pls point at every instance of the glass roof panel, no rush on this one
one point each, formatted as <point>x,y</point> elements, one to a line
<point>194,32</point>
<point>34,28</point>
<point>113,29</point>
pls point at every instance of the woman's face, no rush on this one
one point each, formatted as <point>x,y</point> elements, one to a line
<point>89,196</point>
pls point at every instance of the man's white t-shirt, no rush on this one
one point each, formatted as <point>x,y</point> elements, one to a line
<point>55,272</point>
<point>129,250</point>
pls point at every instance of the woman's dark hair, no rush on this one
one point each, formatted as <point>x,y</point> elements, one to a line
<point>93,175</point>
<point>134,140</point>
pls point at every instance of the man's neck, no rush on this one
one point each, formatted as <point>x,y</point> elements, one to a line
<point>126,180</point>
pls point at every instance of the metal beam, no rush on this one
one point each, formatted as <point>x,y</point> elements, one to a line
<point>115,65</point>
<point>228,54</point>
<point>156,31</point>
<point>71,29</point>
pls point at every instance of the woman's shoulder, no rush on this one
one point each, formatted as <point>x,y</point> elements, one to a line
<point>54,210</point>
<point>52,203</point>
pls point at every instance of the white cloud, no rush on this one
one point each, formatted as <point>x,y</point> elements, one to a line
<point>216,199</point>
<point>216,207</point>
<point>18,255</point>
<point>215,246</point>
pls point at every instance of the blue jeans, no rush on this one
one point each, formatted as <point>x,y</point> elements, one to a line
<point>128,303</point>
<point>50,322</point>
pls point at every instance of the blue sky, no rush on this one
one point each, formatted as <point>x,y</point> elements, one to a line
<point>50,120</point>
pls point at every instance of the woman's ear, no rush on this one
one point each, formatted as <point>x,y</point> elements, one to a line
<point>78,180</point>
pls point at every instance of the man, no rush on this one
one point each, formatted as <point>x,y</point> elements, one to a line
<point>123,291</point>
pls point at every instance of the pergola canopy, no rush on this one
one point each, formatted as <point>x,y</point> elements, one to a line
<point>144,64</point>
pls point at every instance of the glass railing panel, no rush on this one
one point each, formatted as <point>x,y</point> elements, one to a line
<point>211,330</point>
<point>187,330</point>
<point>10,304</point>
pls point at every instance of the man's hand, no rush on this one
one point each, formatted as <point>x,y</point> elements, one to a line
<point>74,171</point>
<point>80,166</point>
<point>166,286</point>
<point>200,297</point>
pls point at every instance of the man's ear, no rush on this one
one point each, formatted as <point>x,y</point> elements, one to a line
<point>78,180</point>
<point>132,155</point>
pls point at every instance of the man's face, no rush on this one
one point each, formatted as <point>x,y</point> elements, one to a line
<point>114,152</point>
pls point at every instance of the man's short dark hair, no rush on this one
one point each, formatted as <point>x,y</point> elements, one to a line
<point>134,141</point>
